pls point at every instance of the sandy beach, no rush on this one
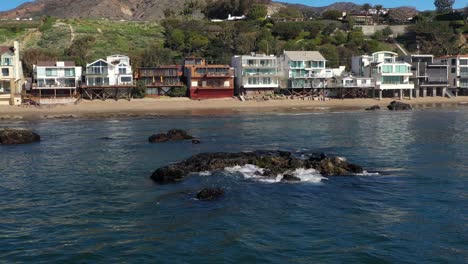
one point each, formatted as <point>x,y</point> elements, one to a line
<point>184,106</point>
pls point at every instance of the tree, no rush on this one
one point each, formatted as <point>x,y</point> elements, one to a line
<point>444,6</point>
<point>332,14</point>
<point>365,8</point>
<point>387,31</point>
<point>378,8</point>
<point>257,12</point>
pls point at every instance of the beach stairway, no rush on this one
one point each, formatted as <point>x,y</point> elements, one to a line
<point>449,93</point>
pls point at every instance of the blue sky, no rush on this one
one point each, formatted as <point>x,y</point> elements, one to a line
<point>419,4</point>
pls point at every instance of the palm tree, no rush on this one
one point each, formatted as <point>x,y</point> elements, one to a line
<point>365,7</point>
<point>378,8</point>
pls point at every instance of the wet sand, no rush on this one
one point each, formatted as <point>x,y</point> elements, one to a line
<point>183,106</point>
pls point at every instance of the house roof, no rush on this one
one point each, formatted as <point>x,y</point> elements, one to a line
<point>304,55</point>
<point>54,63</point>
<point>89,64</point>
<point>5,49</point>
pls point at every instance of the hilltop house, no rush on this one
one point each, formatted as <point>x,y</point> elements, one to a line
<point>160,80</point>
<point>256,73</point>
<point>206,81</point>
<point>429,78</point>
<point>458,72</point>
<point>11,75</point>
<point>389,74</point>
<point>56,81</point>
<point>114,71</point>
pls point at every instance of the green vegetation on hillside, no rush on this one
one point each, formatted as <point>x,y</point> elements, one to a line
<point>150,44</point>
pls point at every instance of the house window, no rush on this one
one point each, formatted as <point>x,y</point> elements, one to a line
<point>51,72</point>
<point>126,79</point>
<point>122,71</point>
<point>402,69</point>
<point>69,72</point>
<point>463,62</point>
<point>7,61</point>
<point>5,72</point>
<point>453,70</point>
<point>387,68</point>
<point>454,61</point>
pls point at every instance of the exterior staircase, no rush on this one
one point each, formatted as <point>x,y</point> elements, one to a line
<point>449,93</point>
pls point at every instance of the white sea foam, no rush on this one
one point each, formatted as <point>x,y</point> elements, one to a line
<point>205,173</point>
<point>250,171</point>
<point>366,173</point>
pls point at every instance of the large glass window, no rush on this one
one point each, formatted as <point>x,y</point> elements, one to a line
<point>51,72</point>
<point>387,68</point>
<point>69,72</point>
<point>122,70</point>
<point>126,79</point>
<point>463,62</point>
<point>402,69</point>
<point>392,80</point>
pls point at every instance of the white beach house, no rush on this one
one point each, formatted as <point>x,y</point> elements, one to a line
<point>255,73</point>
<point>11,75</point>
<point>56,81</point>
<point>114,71</point>
<point>391,76</point>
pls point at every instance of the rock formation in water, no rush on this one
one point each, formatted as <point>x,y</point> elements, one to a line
<point>171,135</point>
<point>374,107</point>
<point>209,194</point>
<point>399,106</point>
<point>273,164</point>
<point>10,136</point>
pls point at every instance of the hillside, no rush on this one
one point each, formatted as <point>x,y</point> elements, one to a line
<point>110,9</point>
<point>148,10</point>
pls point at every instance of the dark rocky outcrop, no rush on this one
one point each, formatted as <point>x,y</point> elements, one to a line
<point>372,108</point>
<point>290,178</point>
<point>171,135</point>
<point>10,136</point>
<point>272,163</point>
<point>399,106</point>
<point>210,194</point>
<point>196,141</point>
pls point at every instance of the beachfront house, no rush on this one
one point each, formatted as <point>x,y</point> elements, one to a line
<point>256,74</point>
<point>304,69</point>
<point>161,80</point>
<point>206,81</point>
<point>429,78</point>
<point>56,81</point>
<point>457,73</point>
<point>115,70</point>
<point>391,76</point>
<point>11,75</point>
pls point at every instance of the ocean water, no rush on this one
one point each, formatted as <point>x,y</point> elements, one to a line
<point>78,198</point>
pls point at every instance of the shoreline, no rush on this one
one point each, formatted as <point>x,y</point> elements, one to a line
<point>150,107</point>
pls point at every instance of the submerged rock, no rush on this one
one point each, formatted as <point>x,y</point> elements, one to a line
<point>196,141</point>
<point>372,108</point>
<point>399,106</point>
<point>272,163</point>
<point>171,135</point>
<point>209,194</point>
<point>10,136</point>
